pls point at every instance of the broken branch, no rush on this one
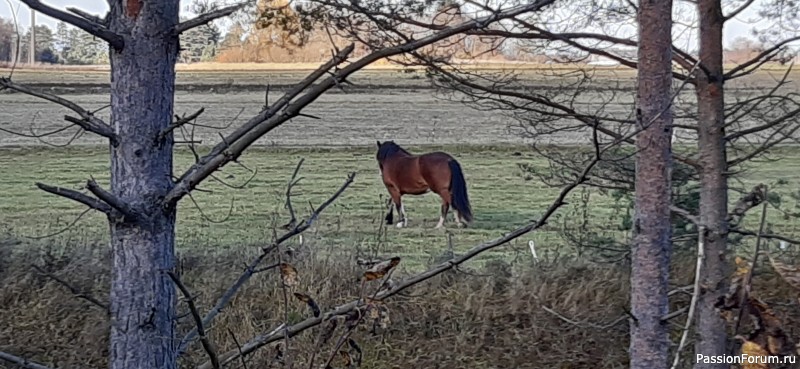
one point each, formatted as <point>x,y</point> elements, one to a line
<point>206,18</point>
<point>76,196</point>
<point>88,121</point>
<point>24,363</point>
<point>112,200</point>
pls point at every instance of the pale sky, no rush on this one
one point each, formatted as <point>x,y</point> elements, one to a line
<point>734,28</point>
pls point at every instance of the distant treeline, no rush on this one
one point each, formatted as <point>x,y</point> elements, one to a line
<point>70,45</point>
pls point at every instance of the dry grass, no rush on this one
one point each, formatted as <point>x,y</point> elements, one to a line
<point>487,318</point>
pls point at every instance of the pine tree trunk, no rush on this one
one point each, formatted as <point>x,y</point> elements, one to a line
<point>649,346</point>
<point>710,327</point>
<point>142,93</point>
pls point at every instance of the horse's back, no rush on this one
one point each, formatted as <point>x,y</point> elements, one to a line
<point>435,169</point>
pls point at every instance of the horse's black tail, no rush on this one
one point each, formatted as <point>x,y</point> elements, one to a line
<point>458,190</point>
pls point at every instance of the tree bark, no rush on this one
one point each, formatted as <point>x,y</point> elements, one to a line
<point>649,346</point>
<point>142,94</point>
<point>710,327</point>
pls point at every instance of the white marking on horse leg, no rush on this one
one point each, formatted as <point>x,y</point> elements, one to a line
<point>441,222</point>
<point>404,218</point>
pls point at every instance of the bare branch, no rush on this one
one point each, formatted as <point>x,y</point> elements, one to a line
<point>62,230</point>
<point>77,196</point>
<point>736,12</point>
<point>585,323</point>
<point>745,232</point>
<point>693,304</point>
<point>239,347</point>
<point>685,213</point>
<point>748,279</point>
<point>289,186</point>
<point>741,69</point>
<point>72,289</point>
<point>212,355</point>
<point>24,363</point>
<point>763,127</point>
<point>88,121</point>
<point>179,122</point>
<point>251,268</point>
<point>116,41</point>
<point>206,18</point>
<point>112,200</point>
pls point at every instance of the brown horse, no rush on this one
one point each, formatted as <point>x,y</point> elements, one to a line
<point>407,174</point>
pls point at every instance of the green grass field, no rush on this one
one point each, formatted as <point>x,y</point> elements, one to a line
<point>474,319</point>
<point>501,196</point>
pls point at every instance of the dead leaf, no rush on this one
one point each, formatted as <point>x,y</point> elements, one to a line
<point>751,348</point>
<point>310,302</point>
<point>384,319</point>
<point>732,299</point>
<point>766,318</point>
<point>346,359</point>
<point>742,268</point>
<point>789,273</point>
<point>381,269</point>
<point>373,311</point>
<point>288,275</point>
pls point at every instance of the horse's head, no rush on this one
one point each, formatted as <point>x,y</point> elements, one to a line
<point>386,149</point>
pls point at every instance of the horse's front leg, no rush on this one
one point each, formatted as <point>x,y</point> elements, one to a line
<point>390,215</point>
<point>401,209</point>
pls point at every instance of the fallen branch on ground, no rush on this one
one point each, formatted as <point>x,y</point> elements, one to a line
<point>24,363</point>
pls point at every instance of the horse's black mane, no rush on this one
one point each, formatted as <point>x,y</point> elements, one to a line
<point>389,148</point>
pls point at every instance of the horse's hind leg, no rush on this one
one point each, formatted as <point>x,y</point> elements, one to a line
<point>390,215</point>
<point>401,210</point>
<point>445,208</point>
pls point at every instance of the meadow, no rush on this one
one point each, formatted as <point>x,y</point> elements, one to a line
<point>445,324</point>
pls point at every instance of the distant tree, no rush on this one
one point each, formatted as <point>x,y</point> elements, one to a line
<point>6,39</point>
<point>230,48</point>
<point>742,49</point>
<point>199,44</point>
<point>85,49</point>
<point>45,41</point>
<point>62,41</point>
